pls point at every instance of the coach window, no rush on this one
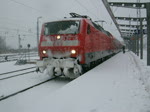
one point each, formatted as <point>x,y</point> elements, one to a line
<point>88,29</point>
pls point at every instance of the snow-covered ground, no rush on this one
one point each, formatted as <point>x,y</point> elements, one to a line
<point>12,85</point>
<point>10,66</point>
<point>121,84</point>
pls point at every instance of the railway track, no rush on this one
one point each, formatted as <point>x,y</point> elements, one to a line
<point>15,73</point>
<point>7,58</point>
<point>11,75</point>
<point>15,57</point>
<point>23,90</point>
<point>4,97</point>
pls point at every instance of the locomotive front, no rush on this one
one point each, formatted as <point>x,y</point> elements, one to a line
<point>60,49</point>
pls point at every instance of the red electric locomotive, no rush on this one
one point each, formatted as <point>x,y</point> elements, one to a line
<point>69,46</point>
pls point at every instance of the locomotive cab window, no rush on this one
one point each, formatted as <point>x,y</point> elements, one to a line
<point>107,33</point>
<point>98,27</point>
<point>88,29</point>
<point>62,27</point>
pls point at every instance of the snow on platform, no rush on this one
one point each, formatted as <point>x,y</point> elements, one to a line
<point>121,84</point>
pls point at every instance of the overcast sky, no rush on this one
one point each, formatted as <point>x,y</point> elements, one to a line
<point>20,16</point>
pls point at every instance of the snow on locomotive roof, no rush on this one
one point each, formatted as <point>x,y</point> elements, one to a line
<point>66,19</point>
<point>72,18</point>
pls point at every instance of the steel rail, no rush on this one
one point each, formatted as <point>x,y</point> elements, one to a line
<point>17,75</point>
<point>23,90</point>
<point>16,71</point>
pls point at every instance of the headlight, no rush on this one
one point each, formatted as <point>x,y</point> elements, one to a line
<point>58,37</point>
<point>73,51</point>
<point>44,52</point>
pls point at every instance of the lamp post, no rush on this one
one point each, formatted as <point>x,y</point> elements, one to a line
<point>38,32</point>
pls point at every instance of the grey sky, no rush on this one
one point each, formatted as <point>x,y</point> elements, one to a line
<point>20,16</point>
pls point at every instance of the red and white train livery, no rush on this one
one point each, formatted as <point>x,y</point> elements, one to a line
<point>70,45</point>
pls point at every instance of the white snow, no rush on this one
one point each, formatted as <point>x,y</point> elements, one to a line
<point>10,66</point>
<point>71,30</point>
<point>121,84</point>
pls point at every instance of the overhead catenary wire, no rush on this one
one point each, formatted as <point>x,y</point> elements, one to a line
<point>85,8</point>
<point>97,9</point>
<point>35,9</point>
<point>94,7</point>
<point>16,30</point>
<point>25,5</point>
<point>10,23</point>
